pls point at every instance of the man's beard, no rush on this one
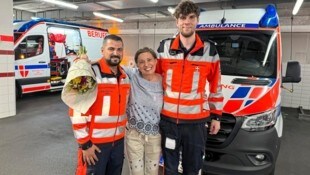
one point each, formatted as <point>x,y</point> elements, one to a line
<point>187,35</point>
<point>110,61</point>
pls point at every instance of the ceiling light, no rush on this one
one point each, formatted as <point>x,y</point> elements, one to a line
<point>62,3</point>
<point>171,10</point>
<point>108,17</point>
<point>297,6</point>
<point>154,1</point>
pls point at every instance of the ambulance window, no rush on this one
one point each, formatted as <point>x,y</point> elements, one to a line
<point>29,47</point>
<point>73,41</point>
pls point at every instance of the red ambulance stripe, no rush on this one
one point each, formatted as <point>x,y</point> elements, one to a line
<point>37,88</point>
<point>6,52</point>
<point>232,105</point>
<point>256,92</point>
<point>7,74</point>
<point>6,38</point>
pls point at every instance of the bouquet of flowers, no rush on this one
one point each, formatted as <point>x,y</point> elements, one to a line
<point>80,89</point>
<point>82,84</point>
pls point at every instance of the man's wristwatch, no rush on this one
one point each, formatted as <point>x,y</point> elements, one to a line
<point>86,145</point>
<point>216,117</point>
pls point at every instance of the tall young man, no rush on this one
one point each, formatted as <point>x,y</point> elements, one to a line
<point>100,132</point>
<point>188,64</point>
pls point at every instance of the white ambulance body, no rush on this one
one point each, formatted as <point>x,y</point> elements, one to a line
<point>248,42</point>
<point>45,48</point>
<point>249,45</point>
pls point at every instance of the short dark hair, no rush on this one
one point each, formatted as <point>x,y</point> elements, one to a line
<point>111,37</point>
<point>185,8</point>
<point>144,50</point>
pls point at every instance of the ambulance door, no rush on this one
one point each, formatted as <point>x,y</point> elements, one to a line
<point>65,42</point>
<point>31,63</point>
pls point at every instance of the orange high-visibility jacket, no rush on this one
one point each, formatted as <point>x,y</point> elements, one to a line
<point>192,85</point>
<point>106,119</point>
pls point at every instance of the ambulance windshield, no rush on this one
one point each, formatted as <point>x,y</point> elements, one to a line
<point>245,53</point>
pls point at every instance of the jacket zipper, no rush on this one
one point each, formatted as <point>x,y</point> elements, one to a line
<point>119,110</point>
<point>178,108</point>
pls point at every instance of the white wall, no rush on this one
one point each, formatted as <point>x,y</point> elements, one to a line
<point>301,53</point>
<point>133,42</point>
<point>7,78</point>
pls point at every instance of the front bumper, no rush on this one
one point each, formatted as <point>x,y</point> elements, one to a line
<point>238,157</point>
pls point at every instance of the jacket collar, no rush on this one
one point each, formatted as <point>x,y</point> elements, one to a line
<point>105,69</point>
<point>175,45</point>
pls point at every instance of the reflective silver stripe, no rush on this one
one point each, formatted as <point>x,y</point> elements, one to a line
<point>216,105</point>
<point>79,119</point>
<point>80,133</point>
<point>170,107</point>
<point>204,58</point>
<point>109,119</point>
<point>97,73</point>
<point>193,109</point>
<point>195,81</point>
<point>165,56</point>
<point>76,114</point>
<point>169,79</point>
<point>125,81</point>
<point>120,130</point>
<point>216,95</point>
<point>101,133</point>
<point>186,96</point>
<point>109,80</point>
<point>171,94</point>
<point>206,106</point>
<point>106,105</point>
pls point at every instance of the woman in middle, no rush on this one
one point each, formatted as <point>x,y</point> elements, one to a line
<point>142,139</point>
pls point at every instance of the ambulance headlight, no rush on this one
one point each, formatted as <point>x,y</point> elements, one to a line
<point>21,56</point>
<point>260,122</point>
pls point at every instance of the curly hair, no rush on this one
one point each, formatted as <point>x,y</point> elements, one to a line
<point>186,7</point>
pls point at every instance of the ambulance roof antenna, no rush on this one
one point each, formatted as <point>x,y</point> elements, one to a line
<point>223,19</point>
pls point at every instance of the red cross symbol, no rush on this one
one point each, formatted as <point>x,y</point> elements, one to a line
<point>23,72</point>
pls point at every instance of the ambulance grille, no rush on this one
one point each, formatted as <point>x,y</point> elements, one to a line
<point>225,135</point>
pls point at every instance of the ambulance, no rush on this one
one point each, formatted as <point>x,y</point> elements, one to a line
<point>249,45</point>
<point>45,48</point>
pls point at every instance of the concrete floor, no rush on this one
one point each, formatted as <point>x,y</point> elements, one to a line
<point>39,140</point>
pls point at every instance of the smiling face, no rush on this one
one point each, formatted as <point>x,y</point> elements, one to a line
<point>187,24</point>
<point>112,52</point>
<point>146,63</point>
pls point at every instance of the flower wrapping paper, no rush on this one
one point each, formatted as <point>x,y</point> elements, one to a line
<point>80,102</point>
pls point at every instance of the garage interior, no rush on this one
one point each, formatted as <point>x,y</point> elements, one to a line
<point>35,130</point>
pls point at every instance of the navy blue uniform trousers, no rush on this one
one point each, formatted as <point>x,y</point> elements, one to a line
<point>190,139</point>
<point>110,161</point>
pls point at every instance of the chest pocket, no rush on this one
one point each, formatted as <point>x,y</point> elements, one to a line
<point>195,76</point>
<point>172,70</point>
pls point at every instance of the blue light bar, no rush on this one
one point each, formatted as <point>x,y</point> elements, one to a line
<point>270,18</point>
<point>31,23</point>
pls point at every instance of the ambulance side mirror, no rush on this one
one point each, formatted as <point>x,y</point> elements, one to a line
<point>292,73</point>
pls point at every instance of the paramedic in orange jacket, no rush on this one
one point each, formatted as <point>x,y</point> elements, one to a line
<point>188,65</point>
<point>100,132</point>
